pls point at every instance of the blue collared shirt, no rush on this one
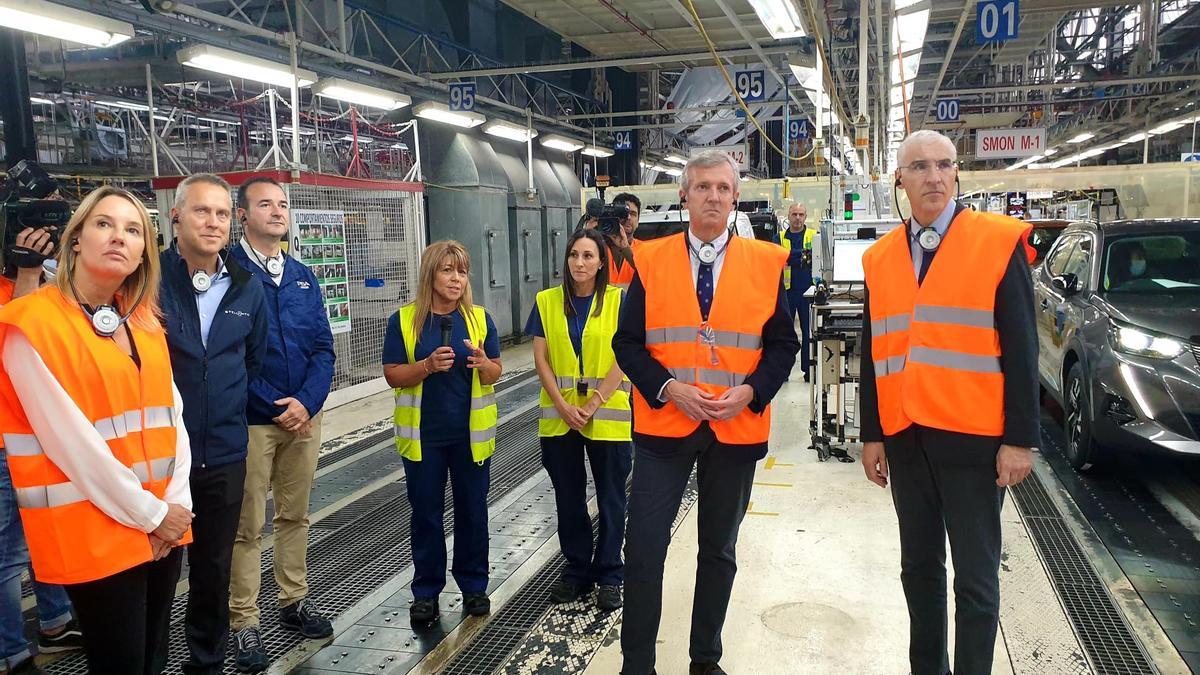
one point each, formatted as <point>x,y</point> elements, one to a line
<point>941,224</point>
<point>208,302</point>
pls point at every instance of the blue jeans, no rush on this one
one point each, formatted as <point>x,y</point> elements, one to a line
<point>426,482</point>
<point>799,305</point>
<point>54,608</point>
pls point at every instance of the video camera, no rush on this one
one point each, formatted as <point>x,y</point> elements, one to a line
<point>609,216</point>
<point>25,189</point>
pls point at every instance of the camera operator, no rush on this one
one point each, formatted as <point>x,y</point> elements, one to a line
<point>629,224</point>
<point>610,221</point>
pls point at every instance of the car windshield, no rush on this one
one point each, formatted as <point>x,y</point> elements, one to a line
<point>1041,239</point>
<point>1158,263</point>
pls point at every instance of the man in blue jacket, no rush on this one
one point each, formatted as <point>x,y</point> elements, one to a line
<point>216,325</point>
<point>285,425</point>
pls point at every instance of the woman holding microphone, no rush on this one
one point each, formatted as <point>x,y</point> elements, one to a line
<point>585,407</point>
<point>441,353</point>
<point>94,434</point>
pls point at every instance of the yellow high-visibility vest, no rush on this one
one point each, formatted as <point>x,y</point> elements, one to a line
<point>787,246</point>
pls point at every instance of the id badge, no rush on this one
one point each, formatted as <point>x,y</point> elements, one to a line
<point>581,387</point>
<point>708,337</point>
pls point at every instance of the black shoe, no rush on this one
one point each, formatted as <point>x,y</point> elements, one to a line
<point>564,591</point>
<point>705,669</point>
<point>70,638</point>
<point>477,604</point>
<point>608,598</point>
<point>26,667</point>
<point>249,654</point>
<point>423,611</point>
<point>304,617</point>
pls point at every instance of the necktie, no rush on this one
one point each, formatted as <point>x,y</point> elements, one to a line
<point>926,259</point>
<point>704,289</point>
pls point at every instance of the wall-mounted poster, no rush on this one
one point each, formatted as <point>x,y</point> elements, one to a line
<point>319,241</point>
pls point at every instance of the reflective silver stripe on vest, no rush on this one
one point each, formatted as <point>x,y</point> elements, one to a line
<point>22,445</point>
<point>48,496</point>
<point>890,324</point>
<point>959,316</point>
<point>568,383</point>
<point>954,360</point>
<point>719,378</point>
<point>690,334</point>
<point>483,436</point>
<point>483,401</point>
<point>158,469</point>
<point>565,382</point>
<point>889,366</point>
<point>408,401</point>
<point>160,417</point>
<point>409,433</point>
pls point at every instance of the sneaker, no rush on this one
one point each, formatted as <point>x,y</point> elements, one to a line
<point>608,598</point>
<point>304,617</point>
<point>70,638</point>
<point>26,667</point>
<point>423,611</point>
<point>249,654</point>
<point>705,669</point>
<point>477,604</point>
<point>564,591</point>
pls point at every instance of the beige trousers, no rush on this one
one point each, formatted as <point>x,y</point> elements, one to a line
<point>286,463</point>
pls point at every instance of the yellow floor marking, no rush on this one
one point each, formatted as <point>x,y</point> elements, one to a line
<point>771,463</point>
<point>782,485</point>
<point>751,512</point>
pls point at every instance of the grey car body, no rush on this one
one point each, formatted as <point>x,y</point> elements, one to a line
<point>1116,397</point>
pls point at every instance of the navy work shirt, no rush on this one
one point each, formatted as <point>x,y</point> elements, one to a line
<point>575,324</point>
<point>445,397</point>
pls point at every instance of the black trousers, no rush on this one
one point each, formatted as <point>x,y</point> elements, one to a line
<point>611,460</point>
<point>945,484</point>
<point>217,503</point>
<point>125,618</point>
<point>724,477</point>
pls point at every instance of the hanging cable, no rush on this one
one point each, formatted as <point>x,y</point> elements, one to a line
<point>729,81</point>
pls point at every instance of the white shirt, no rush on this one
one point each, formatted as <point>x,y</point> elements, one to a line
<point>941,224</point>
<point>259,258</point>
<point>77,449</point>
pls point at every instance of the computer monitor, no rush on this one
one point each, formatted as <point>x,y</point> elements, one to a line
<point>847,260</point>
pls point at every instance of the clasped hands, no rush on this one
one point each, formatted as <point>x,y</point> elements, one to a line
<point>702,406</point>
<point>577,416</point>
<point>170,531</point>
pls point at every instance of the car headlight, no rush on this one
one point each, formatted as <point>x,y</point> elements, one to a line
<point>1142,343</point>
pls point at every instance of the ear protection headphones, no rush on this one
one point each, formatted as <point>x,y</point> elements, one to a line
<point>105,318</point>
<point>927,238</point>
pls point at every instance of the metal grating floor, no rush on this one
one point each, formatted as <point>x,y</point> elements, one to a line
<point>1098,623</point>
<point>367,549</point>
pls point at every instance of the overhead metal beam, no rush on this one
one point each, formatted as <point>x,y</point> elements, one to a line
<point>1154,79</point>
<point>642,60</point>
<point>937,84</point>
<point>670,111</point>
<point>737,24</point>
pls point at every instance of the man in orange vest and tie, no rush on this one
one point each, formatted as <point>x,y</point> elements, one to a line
<point>707,341</point>
<point>949,398</point>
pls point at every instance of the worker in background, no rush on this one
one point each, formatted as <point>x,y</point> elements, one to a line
<point>949,398</point>
<point>797,240</point>
<point>217,329</point>
<point>585,408</point>
<point>707,350</point>
<point>94,437</point>
<point>442,355</point>
<point>629,224</point>
<point>284,417</point>
<point>620,254</point>
<point>57,631</point>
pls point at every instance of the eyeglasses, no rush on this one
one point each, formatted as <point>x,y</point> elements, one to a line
<point>924,166</point>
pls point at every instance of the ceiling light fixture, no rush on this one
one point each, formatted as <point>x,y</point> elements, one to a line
<point>509,131</point>
<point>597,151</point>
<point>362,140</point>
<point>1166,128</point>
<point>779,17</point>
<point>1085,136</point>
<point>440,112</point>
<point>676,158</point>
<point>234,64</point>
<point>360,94</point>
<point>63,23</point>
<point>557,142</point>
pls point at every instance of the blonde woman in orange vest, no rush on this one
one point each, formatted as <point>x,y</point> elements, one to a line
<point>93,431</point>
<point>948,398</point>
<point>706,350</point>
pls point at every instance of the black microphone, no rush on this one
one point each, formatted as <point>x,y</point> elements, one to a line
<point>594,207</point>
<point>447,330</point>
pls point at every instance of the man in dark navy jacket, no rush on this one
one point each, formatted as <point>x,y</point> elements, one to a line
<point>285,425</point>
<point>216,330</point>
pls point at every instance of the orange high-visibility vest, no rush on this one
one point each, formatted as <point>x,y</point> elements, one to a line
<point>7,287</point>
<point>744,299</point>
<point>935,347</point>
<point>70,539</point>
<point>620,277</point>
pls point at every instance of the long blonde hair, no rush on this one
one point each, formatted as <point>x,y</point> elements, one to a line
<point>141,283</point>
<point>431,263</point>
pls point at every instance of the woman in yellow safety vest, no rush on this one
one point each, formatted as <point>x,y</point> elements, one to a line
<point>442,355</point>
<point>585,406</point>
<point>94,436</point>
